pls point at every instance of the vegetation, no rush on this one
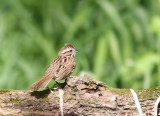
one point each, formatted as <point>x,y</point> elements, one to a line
<point>118,40</point>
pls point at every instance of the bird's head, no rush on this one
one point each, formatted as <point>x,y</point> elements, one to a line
<point>67,50</point>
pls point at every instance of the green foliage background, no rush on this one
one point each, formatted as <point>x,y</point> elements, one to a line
<point>118,40</point>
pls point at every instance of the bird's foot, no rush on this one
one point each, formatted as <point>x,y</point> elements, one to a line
<point>52,89</point>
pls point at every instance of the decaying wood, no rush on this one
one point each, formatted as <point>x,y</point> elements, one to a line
<point>82,96</point>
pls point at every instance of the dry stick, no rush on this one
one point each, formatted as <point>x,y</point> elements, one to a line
<point>137,102</point>
<point>61,100</point>
<point>156,106</point>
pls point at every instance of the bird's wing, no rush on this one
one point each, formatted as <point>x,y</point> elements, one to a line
<point>62,73</point>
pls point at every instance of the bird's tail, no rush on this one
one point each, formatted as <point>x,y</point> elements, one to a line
<point>40,84</point>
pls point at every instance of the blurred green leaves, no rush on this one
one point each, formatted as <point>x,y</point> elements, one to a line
<point>118,41</point>
<point>100,56</point>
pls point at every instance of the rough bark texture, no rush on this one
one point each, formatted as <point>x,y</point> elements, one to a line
<point>82,96</point>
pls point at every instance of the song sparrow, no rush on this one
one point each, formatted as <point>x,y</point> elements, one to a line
<point>60,68</point>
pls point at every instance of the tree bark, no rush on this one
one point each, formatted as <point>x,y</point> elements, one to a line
<point>83,96</point>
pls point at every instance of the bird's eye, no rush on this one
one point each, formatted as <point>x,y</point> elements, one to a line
<point>70,50</point>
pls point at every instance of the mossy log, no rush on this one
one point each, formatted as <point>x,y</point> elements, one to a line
<point>82,96</point>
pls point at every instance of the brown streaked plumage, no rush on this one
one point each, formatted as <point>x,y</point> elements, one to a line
<point>60,68</point>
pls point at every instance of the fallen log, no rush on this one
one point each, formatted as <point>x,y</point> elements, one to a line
<point>83,96</point>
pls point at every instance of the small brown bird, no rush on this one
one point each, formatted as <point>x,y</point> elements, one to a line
<point>60,68</point>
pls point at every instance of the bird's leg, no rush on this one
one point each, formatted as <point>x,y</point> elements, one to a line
<point>50,89</point>
<point>65,81</point>
<point>53,88</point>
<point>57,83</point>
<point>60,85</point>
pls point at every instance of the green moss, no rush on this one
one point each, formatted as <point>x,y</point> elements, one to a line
<point>146,93</point>
<point>16,101</point>
<point>107,87</point>
<point>67,97</point>
<point>121,92</point>
<point>46,99</point>
<point>4,91</point>
<point>3,100</point>
<point>149,93</point>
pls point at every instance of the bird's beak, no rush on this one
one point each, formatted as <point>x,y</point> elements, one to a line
<point>76,50</point>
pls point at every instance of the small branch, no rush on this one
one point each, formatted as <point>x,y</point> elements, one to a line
<point>82,96</point>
